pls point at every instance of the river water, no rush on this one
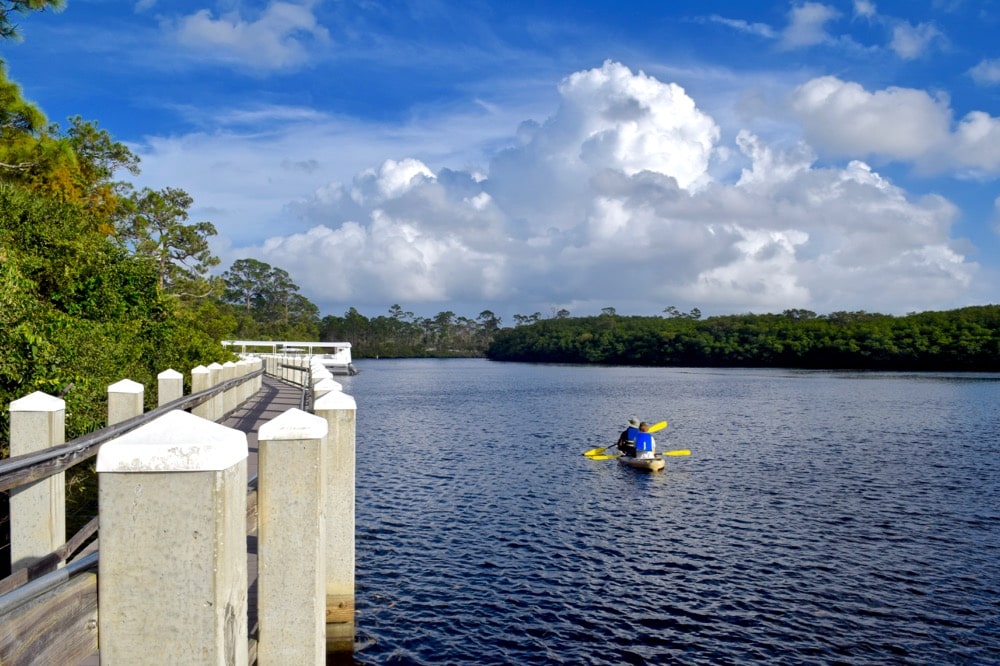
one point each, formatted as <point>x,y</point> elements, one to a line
<point>821,518</point>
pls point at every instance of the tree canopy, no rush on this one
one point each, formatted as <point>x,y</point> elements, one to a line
<point>9,8</point>
<point>963,339</point>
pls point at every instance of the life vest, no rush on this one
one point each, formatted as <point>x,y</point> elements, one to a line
<point>630,434</point>
<point>644,441</point>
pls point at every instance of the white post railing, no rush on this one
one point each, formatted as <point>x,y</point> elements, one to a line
<point>38,510</point>
<point>170,386</point>
<point>201,380</point>
<point>229,395</point>
<point>215,370</point>
<point>172,585</point>
<point>291,567</point>
<point>124,401</point>
<point>173,505</point>
<point>339,410</point>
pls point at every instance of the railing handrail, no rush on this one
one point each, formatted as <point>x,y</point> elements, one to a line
<point>18,471</point>
<point>44,583</point>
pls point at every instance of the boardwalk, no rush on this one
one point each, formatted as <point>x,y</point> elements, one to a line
<point>274,398</point>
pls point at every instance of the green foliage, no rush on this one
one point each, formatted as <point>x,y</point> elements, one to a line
<point>78,313</point>
<point>967,339</point>
<point>401,335</point>
<point>75,167</point>
<point>152,225</point>
<point>267,303</point>
<point>8,30</point>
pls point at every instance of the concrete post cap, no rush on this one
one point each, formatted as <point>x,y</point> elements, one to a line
<point>175,442</point>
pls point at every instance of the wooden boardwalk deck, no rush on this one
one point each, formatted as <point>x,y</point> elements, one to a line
<point>273,399</point>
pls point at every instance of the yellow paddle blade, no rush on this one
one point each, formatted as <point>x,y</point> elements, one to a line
<point>605,456</point>
<point>656,427</point>
<point>678,452</point>
<point>596,452</point>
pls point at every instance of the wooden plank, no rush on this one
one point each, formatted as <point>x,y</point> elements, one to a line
<point>51,561</point>
<point>59,627</point>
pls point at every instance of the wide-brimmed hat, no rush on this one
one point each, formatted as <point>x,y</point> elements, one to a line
<point>634,422</point>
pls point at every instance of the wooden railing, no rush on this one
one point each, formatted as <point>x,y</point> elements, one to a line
<point>175,511</point>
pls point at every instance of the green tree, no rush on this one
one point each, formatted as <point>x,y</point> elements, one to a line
<point>269,302</point>
<point>246,282</point>
<point>153,226</point>
<point>8,29</point>
<point>77,167</point>
<point>21,123</point>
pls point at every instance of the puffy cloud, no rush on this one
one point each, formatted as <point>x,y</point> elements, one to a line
<point>865,8</point>
<point>841,118</point>
<point>608,119</point>
<point>986,72</point>
<point>278,39</point>
<point>977,143</point>
<point>807,25</point>
<point>390,181</point>
<point>609,202</point>
<point>632,122</point>
<point>912,41</point>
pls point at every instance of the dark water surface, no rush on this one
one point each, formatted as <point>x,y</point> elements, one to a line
<point>823,517</point>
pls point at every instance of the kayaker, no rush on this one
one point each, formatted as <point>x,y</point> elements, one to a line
<point>645,445</point>
<point>626,440</point>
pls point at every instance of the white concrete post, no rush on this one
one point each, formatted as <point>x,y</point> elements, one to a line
<point>172,585</point>
<point>291,503</point>
<point>201,380</point>
<point>229,396</point>
<point>320,372</point>
<point>124,401</point>
<point>243,368</point>
<point>339,410</point>
<point>217,401</point>
<point>170,387</point>
<point>256,363</point>
<point>38,510</point>
<point>326,386</point>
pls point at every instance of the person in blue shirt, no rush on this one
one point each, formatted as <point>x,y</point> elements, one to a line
<point>626,440</point>
<point>645,445</point>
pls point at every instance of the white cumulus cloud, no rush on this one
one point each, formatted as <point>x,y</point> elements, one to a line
<point>842,118</point>
<point>807,25</point>
<point>609,202</point>
<point>986,72</point>
<point>278,39</point>
<point>913,41</point>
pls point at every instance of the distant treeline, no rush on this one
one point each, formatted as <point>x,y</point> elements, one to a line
<point>965,339</point>
<point>403,335</point>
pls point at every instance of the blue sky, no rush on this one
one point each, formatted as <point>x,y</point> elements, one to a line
<point>532,156</point>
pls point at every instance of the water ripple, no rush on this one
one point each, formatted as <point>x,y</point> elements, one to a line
<point>824,517</point>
